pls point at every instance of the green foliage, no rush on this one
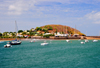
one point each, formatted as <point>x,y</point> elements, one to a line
<point>20,31</point>
<point>0,34</point>
<point>13,34</point>
<point>28,30</point>
<point>5,33</point>
<point>6,37</point>
<point>40,34</point>
<point>55,27</point>
<point>32,33</point>
<point>48,27</point>
<point>38,28</point>
<point>24,33</point>
<point>29,37</point>
<point>56,31</point>
<point>47,36</point>
<point>45,30</point>
<point>62,32</point>
<point>70,32</point>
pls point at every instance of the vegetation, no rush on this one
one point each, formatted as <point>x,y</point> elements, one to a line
<point>38,28</point>
<point>0,34</point>
<point>39,31</point>
<point>20,31</point>
<point>47,36</point>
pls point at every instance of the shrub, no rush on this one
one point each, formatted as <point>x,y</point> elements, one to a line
<point>47,36</point>
<point>20,31</point>
<point>38,28</point>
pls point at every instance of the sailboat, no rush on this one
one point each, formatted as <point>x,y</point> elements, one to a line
<point>15,42</point>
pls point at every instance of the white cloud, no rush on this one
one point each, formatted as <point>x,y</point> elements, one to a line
<point>97,22</point>
<point>17,7</point>
<point>93,17</point>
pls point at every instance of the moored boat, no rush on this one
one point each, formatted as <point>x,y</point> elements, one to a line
<point>68,40</point>
<point>15,42</point>
<point>7,46</point>
<point>95,40</point>
<point>86,40</point>
<point>45,43</point>
<point>82,42</point>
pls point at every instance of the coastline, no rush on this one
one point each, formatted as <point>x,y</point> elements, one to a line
<point>9,39</point>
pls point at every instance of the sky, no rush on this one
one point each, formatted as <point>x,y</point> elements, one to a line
<point>84,14</point>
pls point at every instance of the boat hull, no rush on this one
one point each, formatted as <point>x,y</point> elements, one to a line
<point>15,43</point>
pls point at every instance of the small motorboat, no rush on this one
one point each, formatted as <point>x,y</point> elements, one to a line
<point>7,46</point>
<point>95,40</point>
<point>68,40</point>
<point>79,40</point>
<point>33,40</point>
<point>82,42</point>
<point>45,43</point>
<point>86,40</point>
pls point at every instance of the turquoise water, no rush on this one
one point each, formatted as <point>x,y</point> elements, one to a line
<point>58,54</point>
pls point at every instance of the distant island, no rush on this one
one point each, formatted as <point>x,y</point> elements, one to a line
<point>58,29</point>
<point>46,32</point>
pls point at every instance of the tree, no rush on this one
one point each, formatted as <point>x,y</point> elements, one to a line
<point>45,30</point>
<point>38,28</point>
<point>28,30</point>
<point>0,34</point>
<point>13,34</point>
<point>20,31</point>
<point>5,33</point>
<point>24,33</point>
<point>50,28</point>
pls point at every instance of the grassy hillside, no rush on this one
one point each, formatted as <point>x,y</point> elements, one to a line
<point>58,28</point>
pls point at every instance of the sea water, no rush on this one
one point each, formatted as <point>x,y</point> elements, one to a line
<point>57,54</point>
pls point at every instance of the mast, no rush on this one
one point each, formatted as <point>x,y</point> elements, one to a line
<point>16,30</point>
<point>66,29</point>
<point>75,30</point>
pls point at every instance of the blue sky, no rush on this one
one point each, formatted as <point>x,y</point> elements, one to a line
<point>85,14</point>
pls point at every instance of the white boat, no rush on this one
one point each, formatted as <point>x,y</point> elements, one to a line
<point>7,45</point>
<point>86,40</point>
<point>79,40</point>
<point>95,40</point>
<point>15,42</point>
<point>82,42</point>
<point>33,40</point>
<point>68,40</point>
<point>44,44</point>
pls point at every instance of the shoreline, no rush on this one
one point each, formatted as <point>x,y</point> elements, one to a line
<point>9,39</point>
